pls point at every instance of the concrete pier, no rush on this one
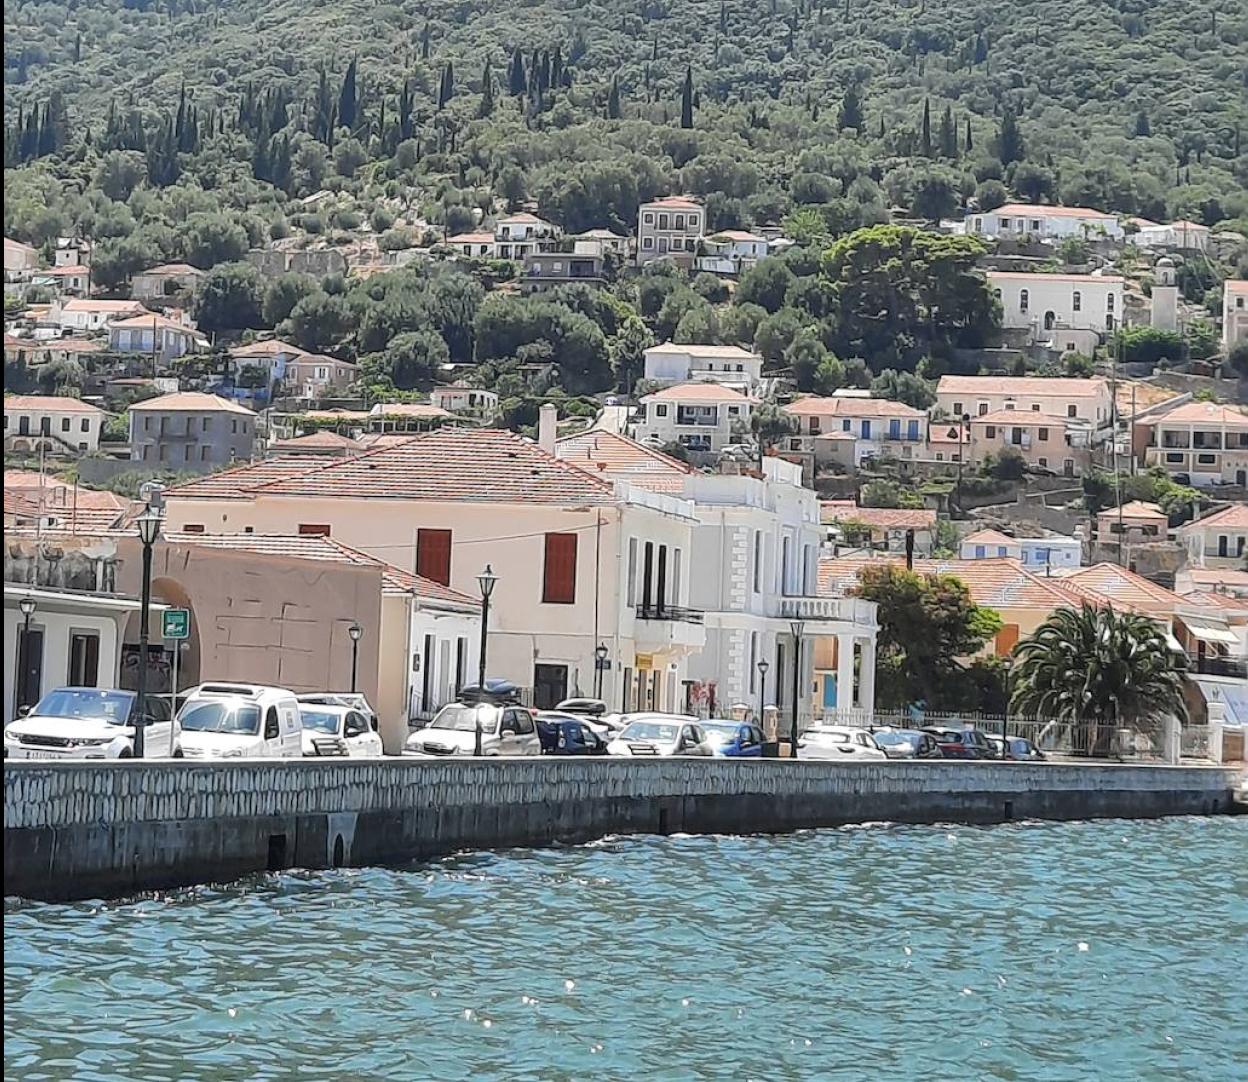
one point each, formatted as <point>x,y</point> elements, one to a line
<point>108,830</point>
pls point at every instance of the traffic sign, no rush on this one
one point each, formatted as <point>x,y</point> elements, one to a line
<point>175,624</point>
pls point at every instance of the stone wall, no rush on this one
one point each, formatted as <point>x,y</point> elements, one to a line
<point>92,830</point>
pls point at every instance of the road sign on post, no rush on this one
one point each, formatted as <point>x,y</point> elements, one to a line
<point>175,624</point>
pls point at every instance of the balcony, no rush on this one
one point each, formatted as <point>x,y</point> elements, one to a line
<point>669,612</point>
<point>1218,666</point>
<point>846,610</point>
<point>669,629</point>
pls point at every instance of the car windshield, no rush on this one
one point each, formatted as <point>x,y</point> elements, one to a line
<point>110,706</point>
<point>654,731</point>
<point>323,721</point>
<point>720,733</point>
<point>220,717</point>
<point>892,740</point>
<point>462,718</point>
<point>834,736</point>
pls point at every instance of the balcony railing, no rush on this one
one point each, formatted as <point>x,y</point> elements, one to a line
<point>1218,666</point>
<point>852,610</point>
<point>669,612</point>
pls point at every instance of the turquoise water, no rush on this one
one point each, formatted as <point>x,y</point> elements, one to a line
<point>1045,951</point>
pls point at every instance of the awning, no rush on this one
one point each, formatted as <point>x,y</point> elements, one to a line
<point>1174,643</point>
<point>1210,632</point>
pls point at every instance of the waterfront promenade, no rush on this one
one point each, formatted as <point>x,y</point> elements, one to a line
<point>107,830</point>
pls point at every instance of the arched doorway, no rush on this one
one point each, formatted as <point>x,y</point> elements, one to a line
<point>160,651</point>
<point>1049,320</point>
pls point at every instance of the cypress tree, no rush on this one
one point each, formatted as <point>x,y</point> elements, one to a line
<point>613,99</point>
<point>447,90</point>
<point>969,145</point>
<point>925,140</point>
<point>881,134</point>
<point>1010,146</point>
<point>948,134</point>
<point>487,91</point>
<point>405,111</point>
<point>1143,127</point>
<point>424,43</point>
<point>78,48</point>
<point>347,102</point>
<point>516,82</point>
<point>556,68</point>
<point>851,109</point>
<point>686,99</point>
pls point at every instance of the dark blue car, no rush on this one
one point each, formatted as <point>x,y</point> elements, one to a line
<point>562,734</point>
<point>734,739</point>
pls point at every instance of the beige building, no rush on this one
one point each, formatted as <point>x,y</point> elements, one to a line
<point>60,426</point>
<point>1234,313</point>
<point>877,426</point>
<point>701,417</point>
<point>1044,440</point>
<point>465,401</point>
<point>1051,304</point>
<point>1085,400</point>
<point>1136,523</point>
<point>1217,540</point>
<point>166,280</point>
<point>880,528</point>
<point>670,228</point>
<point>565,544</point>
<point>1203,442</point>
<point>312,375</point>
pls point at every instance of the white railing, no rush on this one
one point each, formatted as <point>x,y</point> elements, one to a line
<point>851,610</point>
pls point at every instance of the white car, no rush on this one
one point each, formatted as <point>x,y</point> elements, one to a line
<point>91,723</point>
<point>839,742</point>
<point>357,700</point>
<point>505,730</point>
<point>648,735</point>
<point>337,730</point>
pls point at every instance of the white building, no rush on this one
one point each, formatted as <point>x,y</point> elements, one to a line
<point>1234,313</point>
<point>670,228</point>
<point>61,426</point>
<point>1049,304</point>
<point>20,260</point>
<point>701,417</point>
<point>465,401</point>
<point>72,279</point>
<point>1204,442</point>
<point>731,251</point>
<point>1218,540</point>
<point>474,245</point>
<point>519,235</point>
<point>730,365</point>
<point>81,314</point>
<point>1181,236</point>
<point>155,336</point>
<point>600,242</point>
<point>1041,554</point>
<point>1044,222</point>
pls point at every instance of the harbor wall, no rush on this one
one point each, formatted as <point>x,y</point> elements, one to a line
<point>109,830</point>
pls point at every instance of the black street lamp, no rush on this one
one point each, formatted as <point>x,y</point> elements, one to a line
<point>486,581</point>
<point>149,530</point>
<point>356,632</point>
<point>600,663</point>
<point>797,627</point>
<point>762,689</point>
<point>27,606</point>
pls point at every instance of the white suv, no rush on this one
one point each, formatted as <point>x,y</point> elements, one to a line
<point>505,730</point>
<point>91,723</point>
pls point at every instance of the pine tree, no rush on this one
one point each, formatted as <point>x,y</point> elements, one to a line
<point>925,139</point>
<point>613,99</point>
<point>487,92</point>
<point>686,99</point>
<point>1010,146</point>
<point>851,109</point>
<point>516,82</point>
<point>347,102</point>
<point>948,134</point>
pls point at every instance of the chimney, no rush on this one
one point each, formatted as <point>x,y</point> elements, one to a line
<point>547,420</point>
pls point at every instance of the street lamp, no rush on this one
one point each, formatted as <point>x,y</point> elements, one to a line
<point>356,632</point>
<point>149,530</point>
<point>486,581</point>
<point>762,688</point>
<point>600,663</point>
<point>27,606</point>
<point>797,627</point>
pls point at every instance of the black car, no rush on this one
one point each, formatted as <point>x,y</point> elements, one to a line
<point>563,734</point>
<point>907,744</point>
<point>961,743</point>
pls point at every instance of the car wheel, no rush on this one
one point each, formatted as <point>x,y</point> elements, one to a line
<point>178,753</point>
<point>125,753</point>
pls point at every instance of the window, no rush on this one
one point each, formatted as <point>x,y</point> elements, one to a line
<point>1035,225</point>
<point>64,424</point>
<point>1035,407</point>
<point>523,721</point>
<point>1109,303</point>
<point>1175,457</point>
<point>758,559</point>
<point>461,662</point>
<point>980,552</point>
<point>648,218</point>
<point>559,579</point>
<point>1076,301</point>
<point>186,452</point>
<point>990,432</point>
<point>957,409</point>
<point>1042,462</point>
<point>1009,405</point>
<point>1206,460</point>
<point>84,659</point>
<point>428,660</point>
<point>203,424</point>
<point>660,410</point>
<point>433,555</point>
<point>679,221</point>
<point>316,529</point>
<point>647,242</point>
<point>1044,435</point>
<point>846,424</point>
<point>234,425</point>
<point>1072,411</point>
<point>1109,322</point>
<point>203,453</point>
<point>82,445</point>
<point>693,221</point>
<point>982,408</point>
<point>663,221</point>
<point>631,595</point>
<point>894,429</point>
<point>193,527</point>
<point>1024,299</point>
<point>734,410</point>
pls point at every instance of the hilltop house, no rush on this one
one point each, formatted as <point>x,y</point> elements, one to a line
<point>731,251</point>
<point>158,283</point>
<point>155,335</point>
<point>1044,222</point>
<point>701,417</point>
<point>669,228</point>
<point>1234,313</point>
<point>1201,443</point>
<point>1057,307</point>
<point>520,235</point>
<point>1087,402</point>
<point>190,430</point>
<point>733,366</point>
<point>876,426</point>
<point>81,314</point>
<point>59,426</point>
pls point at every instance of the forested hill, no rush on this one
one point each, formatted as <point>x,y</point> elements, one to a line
<point>1124,104</point>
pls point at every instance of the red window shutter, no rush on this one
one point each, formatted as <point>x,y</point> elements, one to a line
<point>433,555</point>
<point>559,582</point>
<point>313,529</point>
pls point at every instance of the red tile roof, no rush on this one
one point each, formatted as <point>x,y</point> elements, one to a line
<point>1040,211</point>
<point>323,441</point>
<point>698,392</point>
<point>79,304</point>
<point>241,481</point>
<point>48,403</point>
<point>1021,418</point>
<point>1234,517</point>
<point>1210,413</point>
<point>151,319</point>
<point>677,202</point>
<point>848,406</point>
<point>408,409</point>
<point>988,537</point>
<point>610,454</point>
<point>191,402</point>
<point>1023,385</point>
<point>887,518</point>
<point>1111,279</point>
<point>1124,589</point>
<point>269,347</point>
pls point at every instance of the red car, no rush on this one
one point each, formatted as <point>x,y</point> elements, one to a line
<point>962,743</point>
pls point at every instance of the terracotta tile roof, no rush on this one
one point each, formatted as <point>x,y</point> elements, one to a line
<point>408,409</point>
<point>374,440</point>
<point>81,304</point>
<point>1234,517</point>
<point>1225,604</point>
<point>988,537</point>
<point>324,441</point>
<point>1135,509</point>
<point>1236,285</point>
<point>888,518</point>
<point>1032,386</point>
<point>848,406</point>
<point>17,503</point>
<point>610,454</point>
<point>735,234</point>
<point>735,353</point>
<point>525,218</point>
<point>337,415</point>
<point>1031,276</point>
<point>676,202</point>
<point>191,402</point>
<point>1210,413</point>
<point>300,547</point>
<point>1022,419</point>
<point>697,392</point>
<point>1038,210</point>
<point>452,464</point>
<point>66,272</point>
<point>152,320</point>
<point>1203,578</point>
<point>68,345</point>
<point>943,432</point>
<point>269,347</point>
<point>48,403</point>
<point>470,238</point>
<point>241,481</point>
<point>1122,588</point>
<point>173,269</point>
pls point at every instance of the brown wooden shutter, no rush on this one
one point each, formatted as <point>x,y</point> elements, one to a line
<point>313,529</point>
<point>559,582</point>
<point>433,555</point>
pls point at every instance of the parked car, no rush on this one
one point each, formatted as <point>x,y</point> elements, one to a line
<point>594,713</point>
<point>505,730</point>
<point>354,699</point>
<point>734,739</point>
<point>1020,750</point>
<point>91,723</point>
<point>961,743</point>
<point>838,742</point>
<point>337,730</point>
<point>661,735</point>
<point>907,744</point>
<point>566,734</point>
<point>232,721</point>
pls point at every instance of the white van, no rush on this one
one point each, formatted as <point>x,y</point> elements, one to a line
<point>231,721</point>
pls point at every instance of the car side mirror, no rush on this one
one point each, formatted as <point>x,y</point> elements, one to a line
<point>23,710</point>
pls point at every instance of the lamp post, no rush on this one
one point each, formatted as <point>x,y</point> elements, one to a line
<point>600,663</point>
<point>27,606</point>
<point>356,632</point>
<point>762,689</point>
<point>486,581</point>
<point>963,430</point>
<point>149,530</point>
<point>797,627</point>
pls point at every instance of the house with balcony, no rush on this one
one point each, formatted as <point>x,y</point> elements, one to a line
<point>82,314</point>
<point>730,251</point>
<point>1066,312</point>
<point>702,417</point>
<point>53,424</point>
<point>312,376</point>
<point>600,242</point>
<point>878,427</point>
<point>670,228</point>
<point>740,369</point>
<point>1042,554</point>
<point>191,430</point>
<point>1234,313</point>
<point>155,336</point>
<point>479,245</point>
<point>547,270</point>
<point>520,235</point>
<point>883,529</point>
<point>1040,222</point>
<point>1217,540</point>
<point>1085,400</point>
<point>1200,443</point>
<point>465,401</point>
<point>1182,236</point>
<point>1045,441</point>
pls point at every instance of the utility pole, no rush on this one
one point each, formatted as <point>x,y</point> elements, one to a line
<point>1113,435</point>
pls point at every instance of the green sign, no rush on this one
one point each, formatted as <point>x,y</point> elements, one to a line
<point>175,624</point>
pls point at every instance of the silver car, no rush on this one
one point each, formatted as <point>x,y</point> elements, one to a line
<point>650,735</point>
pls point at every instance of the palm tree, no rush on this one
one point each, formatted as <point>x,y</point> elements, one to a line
<point>1097,670</point>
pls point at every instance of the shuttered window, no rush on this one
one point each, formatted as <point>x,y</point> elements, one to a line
<point>433,555</point>
<point>559,582</point>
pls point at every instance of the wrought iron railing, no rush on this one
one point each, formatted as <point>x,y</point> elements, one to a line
<point>669,612</point>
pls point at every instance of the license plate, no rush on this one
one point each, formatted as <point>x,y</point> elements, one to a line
<point>40,754</point>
